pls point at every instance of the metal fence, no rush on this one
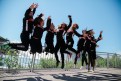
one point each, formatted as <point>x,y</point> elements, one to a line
<point>25,60</point>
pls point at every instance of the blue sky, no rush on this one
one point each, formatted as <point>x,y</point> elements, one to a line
<point>94,14</point>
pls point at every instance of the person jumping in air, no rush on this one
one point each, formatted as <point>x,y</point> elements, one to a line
<point>69,39</point>
<point>49,39</point>
<point>81,48</point>
<point>93,45</point>
<point>27,29</point>
<point>35,43</point>
<point>61,42</point>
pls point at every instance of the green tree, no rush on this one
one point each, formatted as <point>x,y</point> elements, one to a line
<point>11,57</point>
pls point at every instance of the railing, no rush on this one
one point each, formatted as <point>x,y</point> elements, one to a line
<point>111,60</point>
<point>25,60</point>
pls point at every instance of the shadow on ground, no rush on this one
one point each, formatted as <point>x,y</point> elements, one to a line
<point>29,79</point>
<point>80,76</point>
<point>94,77</point>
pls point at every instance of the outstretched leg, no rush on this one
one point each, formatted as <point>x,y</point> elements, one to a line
<point>19,46</point>
<point>57,47</point>
<point>25,42</point>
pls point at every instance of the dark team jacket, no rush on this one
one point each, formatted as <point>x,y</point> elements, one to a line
<point>38,31</point>
<point>81,42</point>
<point>69,35</point>
<point>61,33</point>
<point>28,21</point>
<point>50,34</point>
<point>94,41</point>
<point>88,43</point>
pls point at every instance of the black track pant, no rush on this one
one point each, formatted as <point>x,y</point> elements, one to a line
<point>67,52</point>
<point>70,46</point>
<point>84,59</point>
<point>60,45</point>
<point>36,46</point>
<point>25,42</point>
<point>80,48</point>
<point>50,47</point>
<point>90,59</point>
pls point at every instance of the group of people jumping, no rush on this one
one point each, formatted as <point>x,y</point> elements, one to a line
<point>32,33</point>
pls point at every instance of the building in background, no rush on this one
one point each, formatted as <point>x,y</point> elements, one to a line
<point>3,40</point>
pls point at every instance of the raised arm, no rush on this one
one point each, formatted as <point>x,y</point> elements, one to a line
<point>32,7</point>
<point>70,22</point>
<point>27,12</point>
<point>48,24</point>
<point>100,36</point>
<point>77,34</point>
<point>34,10</point>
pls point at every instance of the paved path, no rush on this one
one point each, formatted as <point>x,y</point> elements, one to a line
<point>101,74</point>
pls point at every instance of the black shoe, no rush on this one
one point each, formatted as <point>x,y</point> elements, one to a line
<point>9,44</point>
<point>62,66</point>
<point>57,63</point>
<point>30,52</point>
<point>46,53</point>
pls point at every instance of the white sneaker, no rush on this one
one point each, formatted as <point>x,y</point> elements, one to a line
<point>81,67</point>
<point>91,69</point>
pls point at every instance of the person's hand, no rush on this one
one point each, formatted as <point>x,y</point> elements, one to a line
<point>69,16</point>
<point>53,25</point>
<point>32,6</point>
<point>41,14</point>
<point>101,32</point>
<point>93,42</point>
<point>100,38</point>
<point>88,37</point>
<point>36,5</point>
